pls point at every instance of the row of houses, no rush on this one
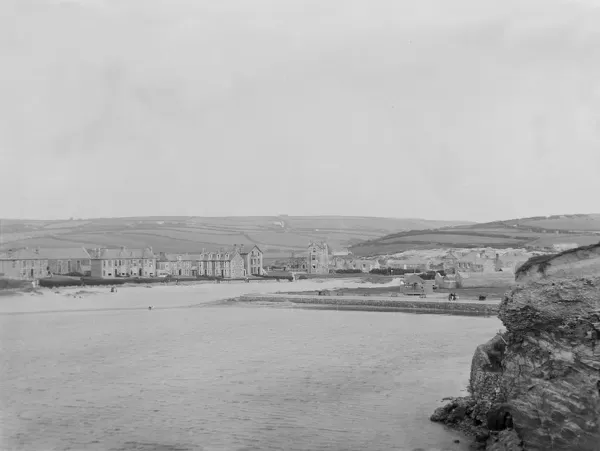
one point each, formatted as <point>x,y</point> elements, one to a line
<point>323,260</point>
<point>39,263</point>
<point>480,261</point>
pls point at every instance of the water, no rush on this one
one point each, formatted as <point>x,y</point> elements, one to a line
<point>223,377</point>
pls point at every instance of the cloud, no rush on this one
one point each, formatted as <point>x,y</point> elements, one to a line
<point>468,98</point>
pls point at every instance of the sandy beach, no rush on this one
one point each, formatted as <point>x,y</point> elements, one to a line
<point>157,296</point>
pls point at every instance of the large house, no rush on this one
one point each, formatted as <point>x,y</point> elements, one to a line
<point>24,264</point>
<point>253,261</point>
<point>123,262</point>
<point>476,261</point>
<point>68,261</point>
<point>225,263</point>
<point>318,258</point>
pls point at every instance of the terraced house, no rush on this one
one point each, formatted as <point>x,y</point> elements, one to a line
<point>228,264</point>
<point>354,263</point>
<point>177,265</point>
<point>123,262</point>
<point>24,264</point>
<point>68,261</point>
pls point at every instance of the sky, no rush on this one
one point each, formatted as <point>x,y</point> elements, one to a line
<point>458,110</point>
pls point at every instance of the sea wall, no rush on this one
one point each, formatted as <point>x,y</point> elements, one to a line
<point>537,386</point>
<point>480,308</point>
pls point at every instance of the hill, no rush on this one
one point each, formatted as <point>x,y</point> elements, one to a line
<point>536,233</point>
<point>277,236</point>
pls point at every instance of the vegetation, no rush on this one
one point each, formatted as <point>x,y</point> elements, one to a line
<point>277,236</point>
<point>534,233</point>
<point>9,284</point>
<point>544,261</point>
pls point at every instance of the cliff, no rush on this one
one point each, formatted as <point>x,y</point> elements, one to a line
<point>537,386</point>
<point>580,262</point>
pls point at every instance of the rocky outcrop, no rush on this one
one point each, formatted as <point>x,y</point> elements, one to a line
<point>580,262</point>
<point>551,368</point>
<point>537,386</point>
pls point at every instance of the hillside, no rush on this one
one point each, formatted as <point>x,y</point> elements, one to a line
<point>276,235</point>
<point>535,232</point>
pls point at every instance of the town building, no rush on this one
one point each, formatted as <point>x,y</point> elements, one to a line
<point>123,262</point>
<point>318,258</point>
<point>415,285</point>
<point>253,261</point>
<point>342,263</point>
<point>297,264</point>
<point>409,264</point>
<point>449,262</point>
<point>476,261</point>
<point>184,265</point>
<point>63,261</point>
<point>24,264</point>
<point>445,282</point>
<point>511,261</point>
<point>227,264</point>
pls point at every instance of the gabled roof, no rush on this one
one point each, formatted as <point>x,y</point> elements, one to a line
<point>67,253</point>
<point>412,278</point>
<point>246,252</point>
<point>105,254</point>
<point>21,254</point>
<point>408,262</point>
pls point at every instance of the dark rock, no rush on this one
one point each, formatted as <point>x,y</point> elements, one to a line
<point>482,437</point>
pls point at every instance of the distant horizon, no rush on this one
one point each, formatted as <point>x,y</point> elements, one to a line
<point>158,217</point>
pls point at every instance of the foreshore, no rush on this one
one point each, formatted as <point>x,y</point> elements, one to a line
<point>436,304</point>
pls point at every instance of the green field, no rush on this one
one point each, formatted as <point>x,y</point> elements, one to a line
<point>535,233</point>
<point>277,236</point>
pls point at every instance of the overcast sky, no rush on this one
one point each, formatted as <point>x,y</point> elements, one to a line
<point>462,109</point>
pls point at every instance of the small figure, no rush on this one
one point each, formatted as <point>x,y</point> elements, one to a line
<point>149,307</point>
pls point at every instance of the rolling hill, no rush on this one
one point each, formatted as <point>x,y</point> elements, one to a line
<point>276,235</point>
<point>535,232</point>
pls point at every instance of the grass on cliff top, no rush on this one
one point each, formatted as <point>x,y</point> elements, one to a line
<point>545,260</point>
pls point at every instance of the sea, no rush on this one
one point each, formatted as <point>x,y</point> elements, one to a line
<point>101,371</point>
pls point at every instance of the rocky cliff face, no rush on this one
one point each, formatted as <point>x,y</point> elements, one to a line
<point>537,386</point>
<point>551,365</point>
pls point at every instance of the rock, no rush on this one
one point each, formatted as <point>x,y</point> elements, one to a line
<point>499,418</point>
<point>482,437</point>
<point>507,440</point>
<point>537,386</point>
<point>550,369</point>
